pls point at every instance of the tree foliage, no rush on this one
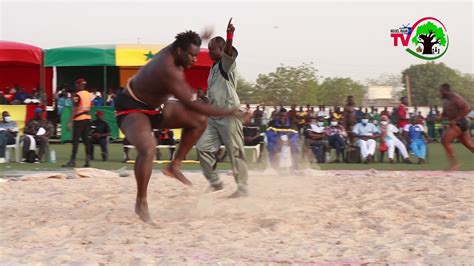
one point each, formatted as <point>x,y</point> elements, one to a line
<point>425,80</point>
<point>334,91</point>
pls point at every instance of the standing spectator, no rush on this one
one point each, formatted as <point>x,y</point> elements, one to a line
<point>388,137</point>
<point>336,135</point>
<point>8,133</point>
<point>258,116</point>
<point>415,132</point>
<point>385,112</point>
<point>99,133</point>
<point>267,115</point>
<point>36,134</point>
<point>402,113</point>
<point>431,119</point>
<point>274,114</point>
<point>81,120</point>
<point>366,133</point>
<point>348,116</point>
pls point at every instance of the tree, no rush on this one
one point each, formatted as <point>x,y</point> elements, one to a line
<point>246,91</point>
<point>425,80</point>
<point>394,80</point>
<point>429,35</point>
<point>334,91</point>
<point>288,85</point>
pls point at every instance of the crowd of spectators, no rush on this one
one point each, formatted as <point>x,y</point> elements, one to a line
<point>17,95</point>
<point>368,132</point>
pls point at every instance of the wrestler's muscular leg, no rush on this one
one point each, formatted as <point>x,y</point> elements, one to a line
<point>176,115</point>
<point>451,132</point>
<point>137,129</point>
<point>465,138</point>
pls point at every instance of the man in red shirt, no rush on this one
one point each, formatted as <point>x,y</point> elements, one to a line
<point>402,111</point>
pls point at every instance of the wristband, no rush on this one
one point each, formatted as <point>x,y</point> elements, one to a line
<point>230,36</point>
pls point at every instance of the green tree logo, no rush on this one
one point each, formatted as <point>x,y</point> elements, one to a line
<point>429,35</point>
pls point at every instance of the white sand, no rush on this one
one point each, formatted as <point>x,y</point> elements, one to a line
<point>336,217</point>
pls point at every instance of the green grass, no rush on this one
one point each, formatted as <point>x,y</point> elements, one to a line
<point>436,161</point>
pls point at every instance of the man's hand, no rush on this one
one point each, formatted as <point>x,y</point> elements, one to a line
<point>230,27</point>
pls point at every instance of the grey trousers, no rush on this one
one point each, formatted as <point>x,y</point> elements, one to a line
<point>227,131</point>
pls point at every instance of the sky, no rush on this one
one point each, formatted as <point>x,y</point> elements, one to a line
<point>341,38</point>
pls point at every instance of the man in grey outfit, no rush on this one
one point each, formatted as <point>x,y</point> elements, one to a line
<point>222,83</point>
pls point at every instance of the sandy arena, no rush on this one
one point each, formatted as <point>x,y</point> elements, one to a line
<point>321,217</point>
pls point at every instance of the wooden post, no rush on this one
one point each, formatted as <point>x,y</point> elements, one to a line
<point>407,81</point>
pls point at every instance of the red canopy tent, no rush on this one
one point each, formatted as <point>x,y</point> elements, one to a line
<point>21,64</point>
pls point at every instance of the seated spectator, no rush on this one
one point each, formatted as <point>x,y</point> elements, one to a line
<point>336,135</point>
<point>337,114</point>
<point>375,116</point>
<point>20,96</point>
<point>252,137</point>
<point>358,114</point>
<point>366,133</point>
<point>166,138</point>
<point>301,120</point>
<point>414,132</point>
<point>388,137</point>
<point>100,130</point>
<point>278,128</point>
<point>34,98</point>
<point>202,96</point>
<point>36,134</point>
<point>98,99</point>
<point>315,136</point>
<point>8,133</point>
<point>292,113</point>
<point>3,100</point>
<point>10,94</point>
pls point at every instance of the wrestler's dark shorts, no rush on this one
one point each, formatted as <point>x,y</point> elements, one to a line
<point>124,105</point>
<point>462,124</point>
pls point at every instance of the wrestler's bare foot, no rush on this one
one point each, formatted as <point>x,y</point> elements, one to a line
<point>454,167</point>
<point>173,170</point>
<point>141,209</point>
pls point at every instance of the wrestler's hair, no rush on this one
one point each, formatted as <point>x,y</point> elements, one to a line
<point>446,87</point>
<point>185,39</point>
<point>403,98</point>
<point>219,40</point>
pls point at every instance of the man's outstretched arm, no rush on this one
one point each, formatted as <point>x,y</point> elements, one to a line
<point>182,91</point>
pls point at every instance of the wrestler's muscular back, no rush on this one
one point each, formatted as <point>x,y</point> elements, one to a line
<point>150,82</point>
<point>452,107</point>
